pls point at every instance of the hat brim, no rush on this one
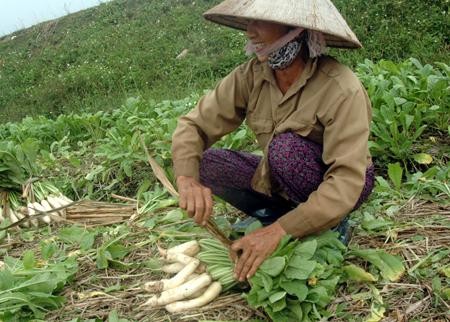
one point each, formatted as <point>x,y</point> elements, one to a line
<point>241,22</point>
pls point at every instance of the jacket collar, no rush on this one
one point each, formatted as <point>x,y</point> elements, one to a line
<point>308,72</point>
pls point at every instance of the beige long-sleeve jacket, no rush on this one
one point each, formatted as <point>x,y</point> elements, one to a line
<point>327,104</point>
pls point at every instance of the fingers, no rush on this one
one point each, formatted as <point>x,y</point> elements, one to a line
<point>199,205</point>
<point>242,263</point>
<point>256,263</point>
<point>195,199</point>
<point>235,251</point>
<point>237,245</point>
<point>245,262</point>
<point>255,248</point>
<point>183,200</point>
<point>190,203</point>
<point>247,266</point>
<point>208,205</point>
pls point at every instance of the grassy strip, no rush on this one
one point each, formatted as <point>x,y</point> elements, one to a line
<point>94,59</point>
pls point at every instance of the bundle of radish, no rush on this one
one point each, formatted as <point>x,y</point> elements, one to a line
<point>53,208</point>
<point>217,260</point>
<point>17,164</point>
<point>47,204</point>
<point>13,210</point>
<point>42,201</point>
<point>18,174</point>
<point>299,280</point>
<point>7,210</point>
<point>190,288</point>
<point>295,283</point>
<point>85,211</point>
<point>35,212</point>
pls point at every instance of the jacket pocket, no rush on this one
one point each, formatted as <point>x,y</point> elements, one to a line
<point>263,129</point>
<point>260,125</point>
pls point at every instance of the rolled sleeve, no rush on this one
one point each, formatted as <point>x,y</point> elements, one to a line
<point>218,113</point>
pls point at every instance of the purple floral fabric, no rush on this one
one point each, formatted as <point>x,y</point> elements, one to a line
<point>295,162</point>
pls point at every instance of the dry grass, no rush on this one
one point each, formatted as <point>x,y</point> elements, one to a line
<point>420,229</point>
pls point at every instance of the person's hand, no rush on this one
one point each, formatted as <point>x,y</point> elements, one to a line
<point>195,198</point>
<point>255,248</point>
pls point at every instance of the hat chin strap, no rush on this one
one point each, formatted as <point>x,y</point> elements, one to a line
<point>294,33</point>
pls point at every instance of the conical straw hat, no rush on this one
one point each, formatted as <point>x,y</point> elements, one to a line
<point>319,15</point>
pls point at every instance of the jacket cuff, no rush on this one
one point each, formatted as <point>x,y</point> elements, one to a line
<point>298,223</point>
<point>290,223</point>
<point>186,167</point>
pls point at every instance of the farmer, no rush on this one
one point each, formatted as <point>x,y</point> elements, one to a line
<point>310,115</point>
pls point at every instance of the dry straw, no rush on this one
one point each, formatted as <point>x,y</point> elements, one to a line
<point>161,176</point>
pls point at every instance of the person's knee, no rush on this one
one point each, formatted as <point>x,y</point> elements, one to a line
<point>206,164</point>
<point>282,146</point>
<point>291,152</point>
<point>209,155</point>
<point>279,152</point>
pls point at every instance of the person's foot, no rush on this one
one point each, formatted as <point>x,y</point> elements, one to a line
<point>241,225</point>
<point>344,231</point>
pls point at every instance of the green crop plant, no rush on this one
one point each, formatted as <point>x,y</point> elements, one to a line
<point>28,289</point>
<point>409,101</point>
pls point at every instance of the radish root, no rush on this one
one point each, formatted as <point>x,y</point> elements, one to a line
<point>181,292</point>
<point>209,295</point>
<point>180,278</point>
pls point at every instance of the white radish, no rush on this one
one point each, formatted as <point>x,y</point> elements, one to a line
<point>180,278</point>
<point>190,248</point>
<point>39,207</point>
<point>176,267</point>
<point>53,215</point>
<point>178,257</point>
<point>31,213</point>
<point>181,292</point>
<point>198,293</point>
<point>56,203</point>
<point>1,214</point>
<point>172,268</point>
<point>13,217</point>
<point>210,294</point>
<point>64,199</point>
<point>192,276</point>
<point>20,216</point>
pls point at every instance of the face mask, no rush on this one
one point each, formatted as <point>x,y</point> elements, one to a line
<point>282,47</point>
<point>284,56</point>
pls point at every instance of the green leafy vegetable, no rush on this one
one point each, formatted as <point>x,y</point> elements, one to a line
<point>273,266</point>
<point>358,274</point>
<point>391,267</point>
<point>299,280</point>
<point>25,288</point>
